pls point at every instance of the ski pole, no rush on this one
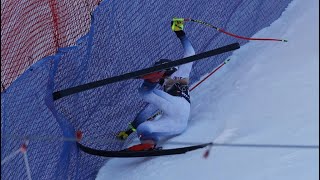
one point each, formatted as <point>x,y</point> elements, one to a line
<point>222,64</point>
<point>231,34</point>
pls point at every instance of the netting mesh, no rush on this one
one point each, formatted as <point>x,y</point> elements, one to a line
<point>124,36</point>
<point>31,30</point>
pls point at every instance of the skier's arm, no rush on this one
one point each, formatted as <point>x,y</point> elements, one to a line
<point>185,69</point>
<point>186,44</point>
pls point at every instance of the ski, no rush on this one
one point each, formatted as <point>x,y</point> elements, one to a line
<point>136,74</point>
<point>131,154</point>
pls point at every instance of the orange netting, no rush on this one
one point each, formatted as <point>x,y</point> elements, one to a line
<point>33,29</point>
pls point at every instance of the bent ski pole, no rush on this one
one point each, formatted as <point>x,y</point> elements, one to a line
<point>230,34</point>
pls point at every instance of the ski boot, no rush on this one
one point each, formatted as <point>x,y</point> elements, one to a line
<point>141,147</point>
<point>146,145</point>
<point>123,135</point>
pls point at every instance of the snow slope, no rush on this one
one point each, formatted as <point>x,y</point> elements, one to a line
<point>267,94</point>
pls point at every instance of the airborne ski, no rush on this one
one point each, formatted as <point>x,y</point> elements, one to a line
<point>142,72</point>
<point>148,153</point>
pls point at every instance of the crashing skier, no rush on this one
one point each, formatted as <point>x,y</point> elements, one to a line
<point>173,101</point>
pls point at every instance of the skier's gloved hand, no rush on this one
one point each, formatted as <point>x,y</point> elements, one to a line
<point>122,135</point>
<point>177,24</point>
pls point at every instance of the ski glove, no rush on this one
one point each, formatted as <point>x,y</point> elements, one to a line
<point>122,135</point>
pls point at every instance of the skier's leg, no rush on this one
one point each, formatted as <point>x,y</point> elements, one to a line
<point>164,101</point>
<point>144,114</point>
<point>170,124</point>
<point>163,127</point>
<point>156,97</point>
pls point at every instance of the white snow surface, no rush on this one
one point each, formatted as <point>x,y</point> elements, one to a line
<point>267,94</point>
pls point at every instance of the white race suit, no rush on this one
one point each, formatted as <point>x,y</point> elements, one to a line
<point>175,109</point>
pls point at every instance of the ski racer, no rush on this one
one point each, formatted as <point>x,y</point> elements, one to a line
<point>173,100</point>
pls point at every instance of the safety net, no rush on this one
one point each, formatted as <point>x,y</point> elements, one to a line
<point>69,46</point>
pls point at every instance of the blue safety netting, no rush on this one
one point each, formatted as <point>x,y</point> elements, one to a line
<point>124,36</point>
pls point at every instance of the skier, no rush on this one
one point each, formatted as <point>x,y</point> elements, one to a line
<point>150,111</point>
<point>173,100</point>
